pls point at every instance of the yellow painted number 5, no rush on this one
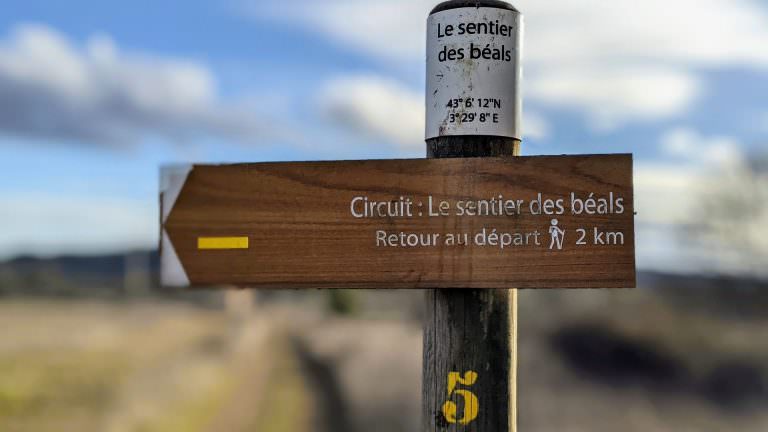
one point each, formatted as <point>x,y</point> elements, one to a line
<point>471,403</point>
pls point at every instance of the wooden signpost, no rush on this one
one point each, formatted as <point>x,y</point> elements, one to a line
<point>470,336</point>
<point>467,224</point>
<point>533,222</point>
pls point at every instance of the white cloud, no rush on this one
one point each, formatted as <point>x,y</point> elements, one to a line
<point>378,107</point>
<point>52,89</point>
<point>690,146</point>
<point>706,32</point>
<point>392,29</point>
<point>47,225</point>
<point>663,193</point>
<point>705,188</point>
<point>384,109</point>
<point>615,61</point>
<point>535,126</point>
<point>665,202</point>
<point>702,32</point>
<point>612,97</point>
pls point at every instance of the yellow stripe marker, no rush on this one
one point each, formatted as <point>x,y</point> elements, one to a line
<point>222,243</point>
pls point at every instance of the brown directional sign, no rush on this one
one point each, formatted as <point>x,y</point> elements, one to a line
<point>528,222</point>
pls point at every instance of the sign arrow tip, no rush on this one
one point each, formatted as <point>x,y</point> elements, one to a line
<point>172,180</point>
<point>173,273</point>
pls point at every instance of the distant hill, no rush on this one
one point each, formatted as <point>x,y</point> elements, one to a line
<point>731,296</point>
<point>132,273</point>
<point>137,274</point>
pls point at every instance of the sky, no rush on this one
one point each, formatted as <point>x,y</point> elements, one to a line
<point>95,96</point>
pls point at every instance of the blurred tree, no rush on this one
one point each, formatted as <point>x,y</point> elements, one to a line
<point>732,220</point>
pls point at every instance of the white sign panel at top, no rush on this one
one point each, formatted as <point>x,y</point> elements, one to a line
<point>474,73</point>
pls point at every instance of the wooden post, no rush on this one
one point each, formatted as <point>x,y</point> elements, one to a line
<point>470,336</point>
<point>469,330</point>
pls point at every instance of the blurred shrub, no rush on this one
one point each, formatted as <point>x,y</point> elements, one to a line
<point>343,302</point>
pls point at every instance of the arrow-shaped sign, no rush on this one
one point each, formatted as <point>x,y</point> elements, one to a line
<point>530,222</point>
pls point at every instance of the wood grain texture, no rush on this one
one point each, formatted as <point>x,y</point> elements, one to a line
<point>471,329</point>
<point>302,235</point>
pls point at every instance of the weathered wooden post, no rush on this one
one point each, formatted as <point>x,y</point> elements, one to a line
<point>468,218</point>
<point>473,110</point>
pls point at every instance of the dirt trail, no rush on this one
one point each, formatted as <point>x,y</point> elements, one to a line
<point>367,373</point>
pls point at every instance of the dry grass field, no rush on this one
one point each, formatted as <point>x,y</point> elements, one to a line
<point>596,361</point>
<point>150,368</point>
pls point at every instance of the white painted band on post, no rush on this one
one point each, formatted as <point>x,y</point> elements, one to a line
<point>474,72</point>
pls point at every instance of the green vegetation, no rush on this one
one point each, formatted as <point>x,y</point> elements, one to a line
<point>343,302</point>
